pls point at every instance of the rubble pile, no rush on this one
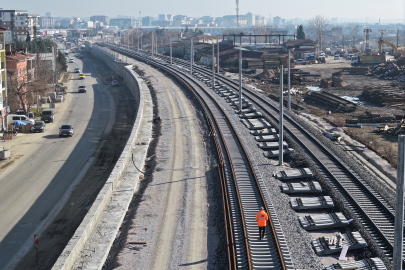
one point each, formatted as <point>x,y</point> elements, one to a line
<point>392,70</point>
<point>393,130</point>
<point>267,74</point>
<point>337,79</point>
<point>325,83</point>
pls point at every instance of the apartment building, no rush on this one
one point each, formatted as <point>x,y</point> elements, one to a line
<point>3,83</point>
<point>18,24</point>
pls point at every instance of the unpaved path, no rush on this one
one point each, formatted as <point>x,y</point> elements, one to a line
<point>176,210</point>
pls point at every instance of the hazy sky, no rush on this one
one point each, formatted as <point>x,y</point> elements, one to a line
<point>386,10</point>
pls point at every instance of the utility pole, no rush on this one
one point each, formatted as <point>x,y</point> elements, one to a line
<point>397,36</point>
<point>367,31</point>
<point>218,56</point>
<point>289,83</point>
<point>170,37</point>
<point>152,44</point>
<point>399,206</point>
<point>237,13</point>
<point>213,66</point>
<point>382,33</point>
<point>191,57</point>
<point>280,126</point>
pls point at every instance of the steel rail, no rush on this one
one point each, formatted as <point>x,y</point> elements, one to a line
<point>252,172</point>
<point>376,200</point>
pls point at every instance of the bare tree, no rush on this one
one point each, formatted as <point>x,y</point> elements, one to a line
<point>23,85</point>
<point>354,32</point>
<point>318,26</point>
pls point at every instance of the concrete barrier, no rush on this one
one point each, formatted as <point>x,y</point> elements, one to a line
<point>142,96</point>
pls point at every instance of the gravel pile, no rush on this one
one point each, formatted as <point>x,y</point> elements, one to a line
<point>392,70</point>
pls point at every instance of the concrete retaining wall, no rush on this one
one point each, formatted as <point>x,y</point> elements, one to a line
<point>141,93</point>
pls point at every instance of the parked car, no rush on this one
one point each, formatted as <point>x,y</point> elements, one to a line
<point>81,76</point>
<point>115,83</point>
<point>301,62</point>
<point>11,118</point>
<point>82,89</point>
<point>71,60</point>
<point>66,130</point>
<point>48,115</point>
<point>337,57</point>
<point>39,126</point>
<point>77,70</point>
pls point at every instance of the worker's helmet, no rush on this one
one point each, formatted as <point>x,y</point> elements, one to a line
<point>262,208</point>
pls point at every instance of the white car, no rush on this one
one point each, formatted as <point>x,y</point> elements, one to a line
<point>337,57</point>
<point>301,62</point>
<point>71,60</point>
<point>77,70</point>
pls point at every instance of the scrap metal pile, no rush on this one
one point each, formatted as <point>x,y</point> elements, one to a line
<point>392,70</point>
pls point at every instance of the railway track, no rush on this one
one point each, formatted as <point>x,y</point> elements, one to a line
<point>242,187</point>
<point>367,205</point>
<point>372,211</point>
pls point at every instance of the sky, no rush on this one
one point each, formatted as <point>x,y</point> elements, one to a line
<point>387,10</point>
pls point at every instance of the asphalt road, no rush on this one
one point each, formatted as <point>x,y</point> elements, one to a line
<point>35,186</point>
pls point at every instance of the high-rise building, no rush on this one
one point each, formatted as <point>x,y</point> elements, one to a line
<point>260,20</point>
<point>277,21</point>
<point>180,18</point>
<point>46,22</point>
<point>3,84</point>
<point>251,19</point>
<point>123,23</point>
<point>162,17</point>
<point>18,24</point>
<point>147,21</point>
<point>169,17</point>
<point>48,14</point>
<point>100,18</point>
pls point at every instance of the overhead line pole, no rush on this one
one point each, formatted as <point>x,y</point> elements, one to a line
<point>280,127</point>
<point>170,37</point>
<point>217,56</point>
<point>213,65</point>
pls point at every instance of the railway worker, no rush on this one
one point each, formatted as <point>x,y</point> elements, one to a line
<point>261,219</point>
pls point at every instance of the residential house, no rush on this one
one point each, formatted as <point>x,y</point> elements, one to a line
<point>21,68</point>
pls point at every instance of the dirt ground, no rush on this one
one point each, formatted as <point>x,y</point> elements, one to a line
<point>385,145</point>
<point>63,226</point>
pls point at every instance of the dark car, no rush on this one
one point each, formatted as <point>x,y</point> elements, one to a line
<point>115,83</point>
<point>39,126</point>
<point>47,115</point>
<point>66,130</point>
<point>82,89</point>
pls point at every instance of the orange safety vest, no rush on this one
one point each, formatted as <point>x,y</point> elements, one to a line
<point>261,218</point>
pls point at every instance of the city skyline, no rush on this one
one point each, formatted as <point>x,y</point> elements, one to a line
<point>345,11</point>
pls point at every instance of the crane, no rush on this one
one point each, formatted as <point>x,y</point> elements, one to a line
<point>395,52</point>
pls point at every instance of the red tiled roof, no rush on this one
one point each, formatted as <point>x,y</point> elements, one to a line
<point>18,57</point>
